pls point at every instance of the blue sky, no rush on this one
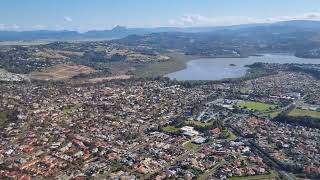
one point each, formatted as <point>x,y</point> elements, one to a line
<point>84,15</point>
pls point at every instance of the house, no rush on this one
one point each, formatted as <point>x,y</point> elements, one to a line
<point>189,131</point>
<point>199,140</point>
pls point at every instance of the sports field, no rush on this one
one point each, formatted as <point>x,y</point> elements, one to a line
<point>258,106</point>
<point>301,113</point>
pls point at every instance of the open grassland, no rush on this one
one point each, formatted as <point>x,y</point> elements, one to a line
<point>3,118</point>
<point>301,113</point>
<point>272,114</point>
<point>231,136</point>
<point>170,129</point>
<point>61,72</point>
<point>176,62</point>
<point>258,106</point>
<point>191,146</point>
<point>198,123</point>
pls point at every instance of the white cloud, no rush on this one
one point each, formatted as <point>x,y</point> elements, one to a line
<point>305,16</point>
<point>67,19</point>
<point>38,27</point>
<point>14,26</point>
<point>199,20</point>
<point>191,19</point>
<point>194,19</point>
<point>312,15</point>
<point>9,27</point>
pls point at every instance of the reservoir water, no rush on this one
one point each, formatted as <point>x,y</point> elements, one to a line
<point>222,68</point>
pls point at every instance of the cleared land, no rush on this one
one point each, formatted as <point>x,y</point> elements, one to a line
<point>258,106</point>
<point>170,129</point>
<point>61,72</point>
<point>101,79</point>
<point>301,113</point>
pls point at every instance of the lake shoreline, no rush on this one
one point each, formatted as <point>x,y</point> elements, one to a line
<point>213,69</point>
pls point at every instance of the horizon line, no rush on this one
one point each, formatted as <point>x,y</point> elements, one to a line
<point>156,27</point>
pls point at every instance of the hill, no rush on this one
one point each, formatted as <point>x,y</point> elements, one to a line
<point>121,32</point>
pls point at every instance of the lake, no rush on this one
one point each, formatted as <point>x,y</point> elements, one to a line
<point>222,68</point>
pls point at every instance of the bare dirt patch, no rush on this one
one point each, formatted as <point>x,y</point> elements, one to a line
<point>61,72</point>
<point>101,79</point>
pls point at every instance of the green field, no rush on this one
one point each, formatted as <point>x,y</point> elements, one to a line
<point>301,113</point>
<point>3,118</point>
<point>170,129</point>
<point>67,110</point>
<point>177,62</point>
<point>272,114</point>
<point>191,146</point>
<point>258,106</point>
<point>232,136</point>
<point>198,123</point>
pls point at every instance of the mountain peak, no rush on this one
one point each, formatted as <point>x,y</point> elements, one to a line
<point>119,28</point>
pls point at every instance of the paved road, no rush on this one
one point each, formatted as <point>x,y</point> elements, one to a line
<point>179,158</point>
<point>288,175</point>
<point>284,173</point>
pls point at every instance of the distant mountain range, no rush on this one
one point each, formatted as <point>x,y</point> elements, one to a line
<point>121,32</point>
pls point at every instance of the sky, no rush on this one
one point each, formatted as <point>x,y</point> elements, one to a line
<point>84,15</point>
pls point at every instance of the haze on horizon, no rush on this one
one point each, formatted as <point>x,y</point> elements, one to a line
<point>83,15</point>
